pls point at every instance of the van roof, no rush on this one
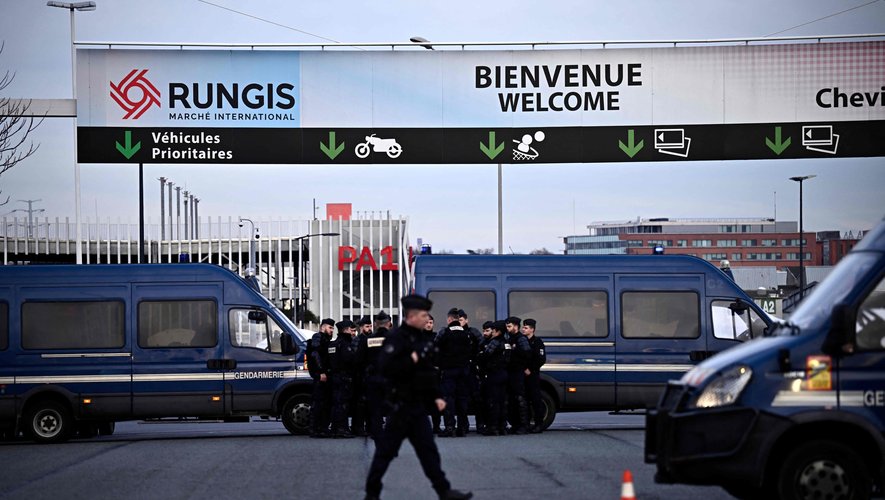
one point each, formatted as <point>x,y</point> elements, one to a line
<point>113,273</point>
<point>564,263</point>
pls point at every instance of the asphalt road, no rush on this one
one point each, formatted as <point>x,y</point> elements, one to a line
<point>582,456</point>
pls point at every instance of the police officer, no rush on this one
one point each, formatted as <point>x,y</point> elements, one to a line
<point>367,354</point>
<point>533,375</point>
<point>318,367</point>
<point>456,348</point>
<point>435,416</point>
<point>358,405</point>
<point>493,364</point>
<point>342,358</point>
<point>404,360</point>
<point>520,351</point>
<point>480,399</point>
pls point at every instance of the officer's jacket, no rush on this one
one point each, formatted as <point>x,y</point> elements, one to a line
<point>520,352</point>
<point>492,357</point>
<point>318,354</point>
<point>456,345</point>
<point>369,347</point>
<point>410,382</point>
<point>342,355</point>
<point>539,353</point>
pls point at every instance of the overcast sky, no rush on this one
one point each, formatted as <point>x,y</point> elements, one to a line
<point>450,206</point>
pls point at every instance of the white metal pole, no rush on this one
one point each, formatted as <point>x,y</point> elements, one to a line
<point>500,210</point>
<point>76,164</point>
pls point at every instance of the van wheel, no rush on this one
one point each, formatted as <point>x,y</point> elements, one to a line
<point>296,414</point>
<point>49,422</point>
<point>824,469</point>
<point>107,428</point>
<point>550,409</point>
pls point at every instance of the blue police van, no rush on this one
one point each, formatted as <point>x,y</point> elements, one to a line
<point>84,346</point>
<point>799,414</point>
<point>616,328</point>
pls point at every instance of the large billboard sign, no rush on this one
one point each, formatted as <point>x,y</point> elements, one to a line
<point>481,106</point>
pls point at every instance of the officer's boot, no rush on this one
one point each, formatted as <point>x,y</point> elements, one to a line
<point>449,418</point>
<point>522,410</point>
<point>455,495</point>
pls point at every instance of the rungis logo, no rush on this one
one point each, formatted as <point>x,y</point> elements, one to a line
<point>135,94</point>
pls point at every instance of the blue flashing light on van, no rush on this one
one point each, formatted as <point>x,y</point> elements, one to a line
<point>616,328</point>
<point>799,414</point>
<point>84,346</point>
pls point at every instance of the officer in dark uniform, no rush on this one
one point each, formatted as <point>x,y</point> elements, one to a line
<point>480,400</point>
<point>358,405</point>
<point>342,358</point>
<point>533,375</point>
<point>413,391</point>
<point>430,335</point>
<point>456,348</point>
<point>318,367</point>
<point>367,356</point>
<point>473,379</point>
<point>520,351</point>
<point>493,363</point>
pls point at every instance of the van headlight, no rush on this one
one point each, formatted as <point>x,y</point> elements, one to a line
<point>725,388</point>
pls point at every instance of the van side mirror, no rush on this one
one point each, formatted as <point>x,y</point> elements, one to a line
<point>840,339</point>
<point>258,316</point>
<point>738,307</point>
<point>287,344</point>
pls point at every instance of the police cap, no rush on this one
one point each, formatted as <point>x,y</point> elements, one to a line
<point>416,302</point>
<point>364,321</point>
<point>513,320</point>
<point>343,325</point>
<point>328,321</point>
<point>382,316</point>
<point>530,323</point>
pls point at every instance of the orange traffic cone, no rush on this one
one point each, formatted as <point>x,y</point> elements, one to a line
<point>627,492</point>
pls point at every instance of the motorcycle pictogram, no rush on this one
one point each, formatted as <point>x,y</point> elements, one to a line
<point>389,146</point>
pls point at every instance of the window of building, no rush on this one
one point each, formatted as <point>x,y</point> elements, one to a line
<point>478,304</point>
<point>701,243</point>
<point>735,256</point>
<point>871,320</point>
<point>714,256</point>
<point>565,313</point>
<point>726,243</point>
<point>736,321</point>
<point>668,315</point>
<point>73,325</point>
<point>177,323</point>
<point>748,243</point>
<point>769,243</point>
<point>4,326</point>
<point>681,243</point>
<point>663,243</point>
<point>264,335</point>
<point>795,256</point>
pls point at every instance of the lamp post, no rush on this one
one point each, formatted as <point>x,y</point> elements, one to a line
<point>800,180</point>
<point>253,235</point>
<point>300,298</point>
<point>83,7</point>
<point>421,41</point>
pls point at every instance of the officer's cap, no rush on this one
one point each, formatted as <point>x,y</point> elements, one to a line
<point>530,323</point>
<point>328,321</point>
<point>453,312</point>
<point>382,316</point>
<point>487,325</point>
<point>364,321</point>
<point>416,302</point>
<point>513,320</point>
<point>343,325</point>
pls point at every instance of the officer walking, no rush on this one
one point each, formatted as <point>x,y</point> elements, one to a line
<point>493,364</point>
<point>456,348</point>
<point>318,367</point>
<point>413,391</point>
<point>520,351</point>
<point>368,353</point>
<point>533,375</point>
<point>358,404</point>
<point>342,358</point>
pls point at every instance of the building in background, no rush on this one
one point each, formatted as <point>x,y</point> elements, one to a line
<point>359,267</point>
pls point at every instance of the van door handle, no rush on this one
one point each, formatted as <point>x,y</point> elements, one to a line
<point>698,356</point>
<point>221,364</point>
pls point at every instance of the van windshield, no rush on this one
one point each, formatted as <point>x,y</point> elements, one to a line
<point>818,306</point>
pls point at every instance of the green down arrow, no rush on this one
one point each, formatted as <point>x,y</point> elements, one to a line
<point>331,151</point>
<point>777,146</point>
<point>631,148</point>
<point>129,150</point>
<point>491,150</point>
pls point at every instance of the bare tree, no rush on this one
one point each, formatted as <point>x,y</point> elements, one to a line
<point>541,251</point>
<point>16,125</point>
<point>482,251</point>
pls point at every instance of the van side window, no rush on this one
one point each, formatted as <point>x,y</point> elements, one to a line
<point>478,304</point>
<point>177,323</point>
<point>255,334</point>
<point>871,320</point>
<point>4,326</point>
<point>665,315</point>
<point>73,325</point>
<point>735,321</point>
<point>565,313</point>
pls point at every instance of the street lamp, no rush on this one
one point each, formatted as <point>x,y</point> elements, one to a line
<point>301,299</point>
<point>421,41</point>
<point>250,269</point>
<point>800,180</point>
<point>80,6</point>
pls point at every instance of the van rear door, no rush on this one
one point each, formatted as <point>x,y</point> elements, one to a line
<point>178,358</point>
<point>659,324</point>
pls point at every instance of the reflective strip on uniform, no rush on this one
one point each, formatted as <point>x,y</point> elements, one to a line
<point>377,342</point>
